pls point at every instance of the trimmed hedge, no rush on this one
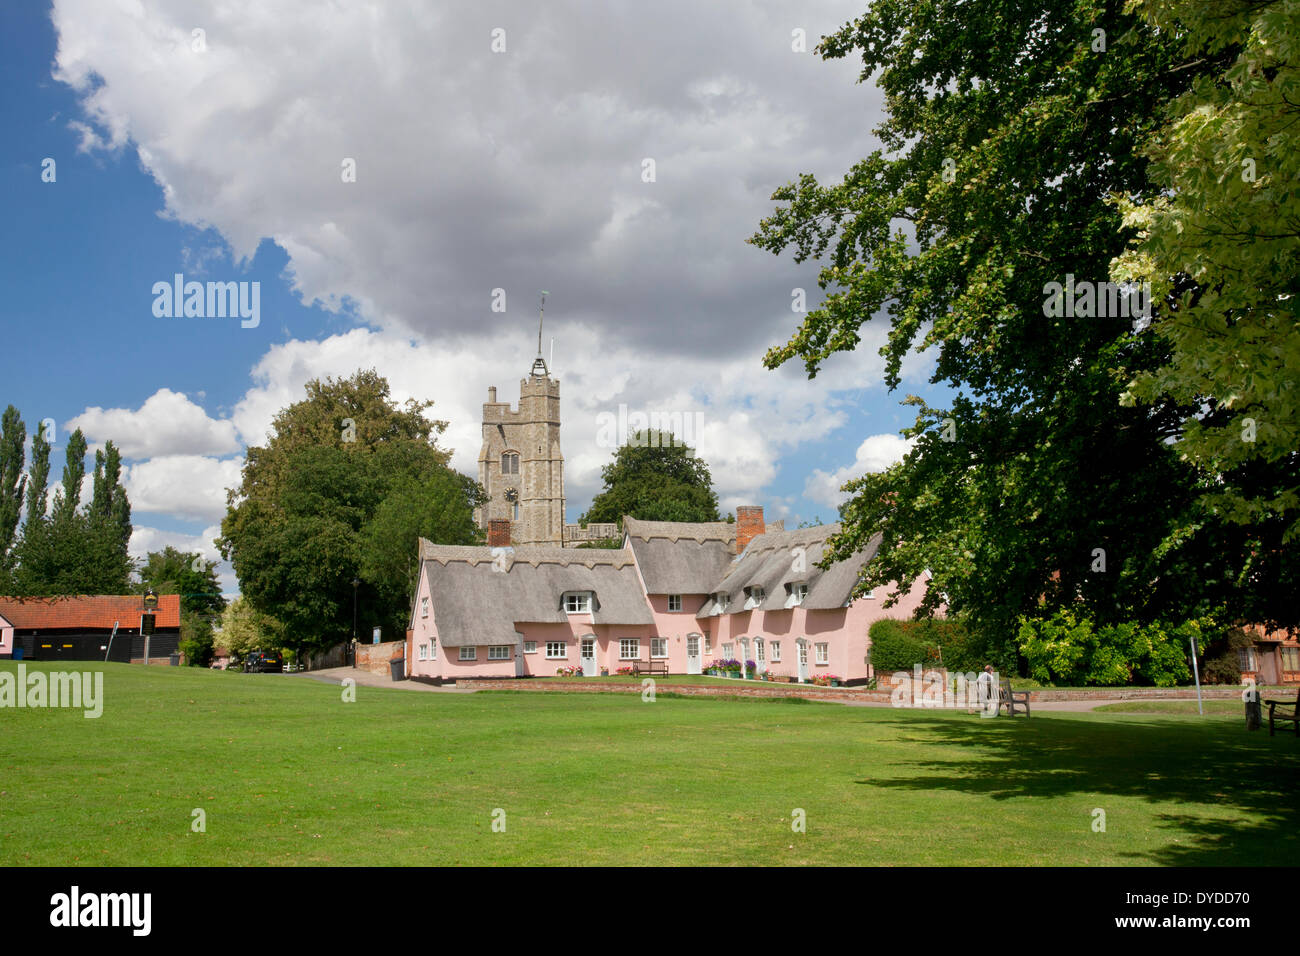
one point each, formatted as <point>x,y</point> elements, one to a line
<point>898,645</point>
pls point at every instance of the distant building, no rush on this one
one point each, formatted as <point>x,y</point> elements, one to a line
<point>79,628</point>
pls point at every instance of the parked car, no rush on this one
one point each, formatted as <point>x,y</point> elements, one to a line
<point>261,662</point>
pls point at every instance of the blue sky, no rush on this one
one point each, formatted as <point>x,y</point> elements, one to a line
<point>218,154</point>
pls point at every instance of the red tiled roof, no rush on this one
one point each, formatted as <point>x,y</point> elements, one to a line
<point>87,610</point>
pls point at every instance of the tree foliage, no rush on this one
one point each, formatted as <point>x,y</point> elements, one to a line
<point>654,477</point>
<point>1220,246</point>
<point>1010,124</point>
<point>312,511</point>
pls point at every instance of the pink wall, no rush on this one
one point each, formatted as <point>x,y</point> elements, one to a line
<point>6,638</point>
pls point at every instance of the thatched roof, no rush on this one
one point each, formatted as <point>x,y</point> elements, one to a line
<point>777,559</point>
<point>679,557</point>
<point>479,598</point>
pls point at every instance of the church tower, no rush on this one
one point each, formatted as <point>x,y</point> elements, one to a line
<point>520,464</point>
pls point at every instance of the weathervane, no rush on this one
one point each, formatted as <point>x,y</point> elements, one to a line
<point>539,363</point>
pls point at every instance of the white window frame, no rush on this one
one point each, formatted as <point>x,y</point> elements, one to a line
<point>423,652</point>
<point>473,654</point>
<point>728,652</point>
<point>662,652</point>
<point>433,649</point>
<point>708,646</point>
<point>624,643</point>
<point>495,652</point>
<point>798,593</point>
<point>754,596</point>
<point>530,647</point>
<point>759,651</point>
<point>424,607</point>
<point>775,649</point>
<point>674,602</point>
<point>577,602</point>
<point>823,654</point>
<point>563,654</point>
<point>720,602</point>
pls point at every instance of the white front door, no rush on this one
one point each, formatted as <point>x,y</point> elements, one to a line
<point>694,663</point>
<point>803,660</point>
<point>587,657</point>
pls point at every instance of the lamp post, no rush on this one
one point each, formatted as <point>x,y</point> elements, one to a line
<point>356,583</point>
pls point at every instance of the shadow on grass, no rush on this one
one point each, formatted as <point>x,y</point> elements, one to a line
<point>1251,778</point>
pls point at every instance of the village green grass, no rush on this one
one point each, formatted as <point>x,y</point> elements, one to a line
<point>286,772</point>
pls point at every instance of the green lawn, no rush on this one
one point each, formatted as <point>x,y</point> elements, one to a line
<point>286,773</point>
<point>1235,707</point>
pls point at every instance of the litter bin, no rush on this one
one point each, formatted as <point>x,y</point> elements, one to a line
<point>175,658</point>
<point>18,652</point>
<point>399,668</point>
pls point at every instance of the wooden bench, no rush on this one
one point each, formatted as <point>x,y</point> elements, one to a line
<point>1293,717</point>
<point>1011,699</point>
<point>653,667</point>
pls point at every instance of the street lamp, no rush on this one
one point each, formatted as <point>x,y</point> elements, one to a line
<point>356,583</point>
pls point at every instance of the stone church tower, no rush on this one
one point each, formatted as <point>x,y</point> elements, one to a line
<point>520,464</point>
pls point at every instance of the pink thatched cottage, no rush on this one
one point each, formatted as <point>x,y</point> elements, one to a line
<point>676,595</point>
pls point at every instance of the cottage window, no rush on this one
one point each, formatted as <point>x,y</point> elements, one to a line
<point>1246,659</point>
<point>728,652</point>
<point>658,647</point>
<point>776,652</point>
<point>499,653</point>
<point>556,650</point>
<point>674,602</point>
<point>797,594</point>
<point>577,602</point>
<point>758,651</point>
<point>720,603</point>
<point>530,647</point>
<point>753,597</point>
<point>629,649</point>
<point>424,651</point>
<point>1290,658</point>
<point>424,607</point>
<point>510,463</point>
<point>433,650</point>
<point>469,653</point>
<point>823,653</point>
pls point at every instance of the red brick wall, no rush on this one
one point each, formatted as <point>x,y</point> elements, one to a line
<point>749,522</point>
<point>375,658</point>
<point>499,533</point>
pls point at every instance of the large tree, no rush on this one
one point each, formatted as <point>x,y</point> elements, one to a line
<point>1220,246</point>
<point>1009,125</point>
<point>74,550</point>
<point>13,437</point>
<point>311,513</point>
<point>654,477</point>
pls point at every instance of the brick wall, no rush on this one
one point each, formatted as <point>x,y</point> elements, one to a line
<point>376,658</point>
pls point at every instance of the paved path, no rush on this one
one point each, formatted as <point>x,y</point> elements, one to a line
<point>336,675</point>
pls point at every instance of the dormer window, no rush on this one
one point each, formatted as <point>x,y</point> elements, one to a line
<point>753,597</point>
<point>720,601</point>
<point>798,592</point>
<point>674,602</point>
<point>510,463</point>
<point>577,602</point>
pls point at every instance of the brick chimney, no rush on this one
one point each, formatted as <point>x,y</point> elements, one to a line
<point>749,522</point>
<point>499,533</point>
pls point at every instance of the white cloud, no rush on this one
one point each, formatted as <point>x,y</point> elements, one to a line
<point>188,487</point>
<point>145,539</point>
<point>167,423</point>
<point>875,454</point>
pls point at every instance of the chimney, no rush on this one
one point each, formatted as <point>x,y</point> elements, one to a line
<point>492,394</point>
<point>499,533</point>
<point>749,522</point>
